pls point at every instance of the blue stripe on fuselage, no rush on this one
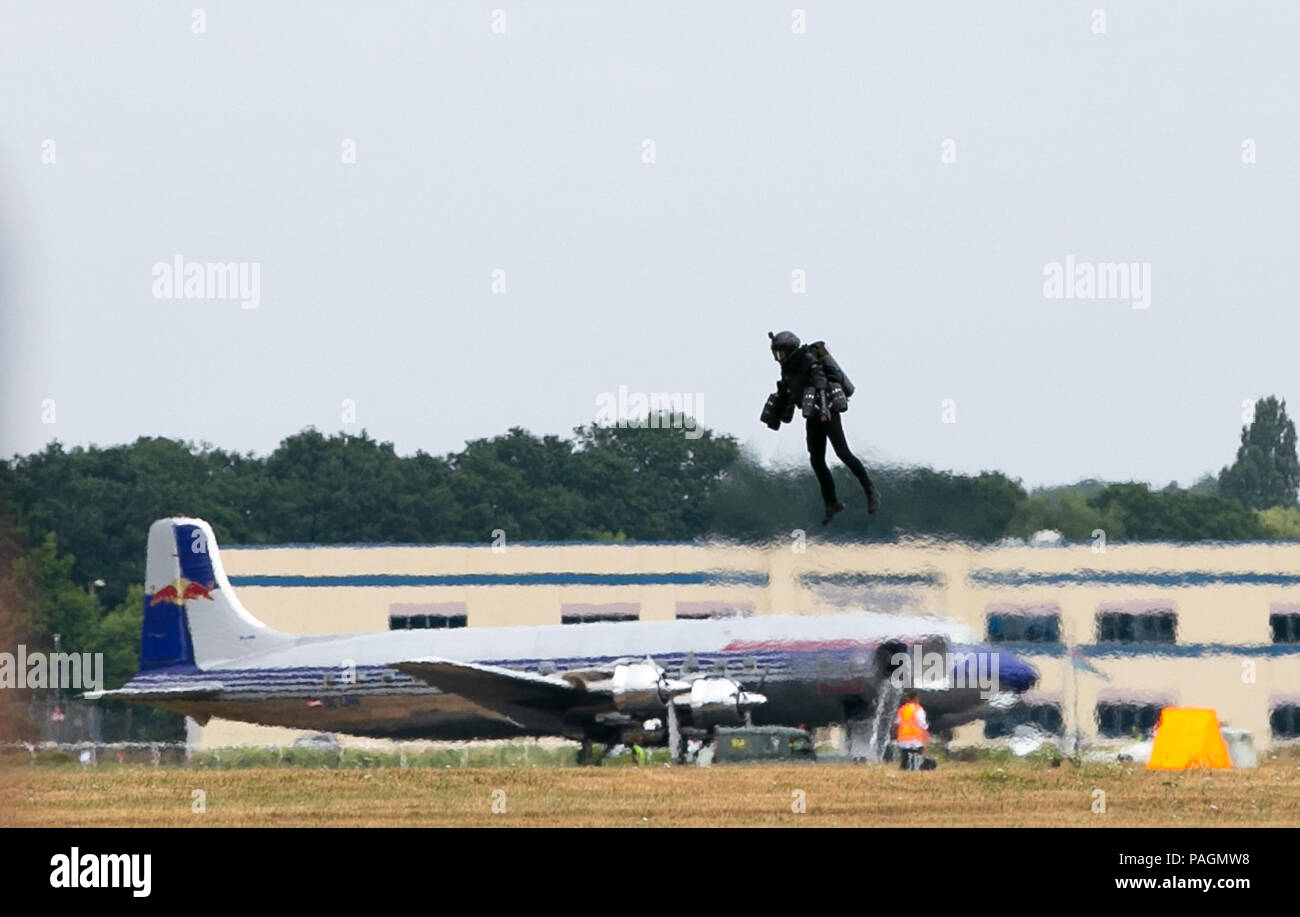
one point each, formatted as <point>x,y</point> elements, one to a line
<point>1014,673</point>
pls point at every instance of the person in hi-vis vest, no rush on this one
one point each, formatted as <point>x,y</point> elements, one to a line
<point>913,733</point>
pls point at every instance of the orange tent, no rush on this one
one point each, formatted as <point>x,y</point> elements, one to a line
<point>1188,737</point>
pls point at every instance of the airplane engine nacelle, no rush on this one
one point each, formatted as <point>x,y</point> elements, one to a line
<point>719,701</point>
<point>638,687</point>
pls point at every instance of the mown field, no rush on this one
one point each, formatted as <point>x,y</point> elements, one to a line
<point>1011,793</point>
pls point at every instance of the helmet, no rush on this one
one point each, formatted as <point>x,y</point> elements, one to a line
<point>784,343</point>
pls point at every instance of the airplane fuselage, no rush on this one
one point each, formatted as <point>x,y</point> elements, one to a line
<point>813,670</point>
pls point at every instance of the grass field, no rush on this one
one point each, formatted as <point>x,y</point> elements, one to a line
<point>1014,793</point>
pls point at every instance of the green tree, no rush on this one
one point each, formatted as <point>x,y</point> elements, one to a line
<point>1267,470</point>
<point>652,482</point>
<point>757,502</point>
<point>754,502</point>
<point>1282,522</point>
<point>345,488</point>
<point>52,603</point>
<point>1178,516</point>
<point>1068,511</point>
<point>923,501</point>
<point>38,599</point>
<point>520,484</point>
<point>119,638</point>
<point>100,501</point>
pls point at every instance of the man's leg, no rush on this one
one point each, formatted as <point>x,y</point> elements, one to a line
<point>835,432</point>
<point>816,437</point>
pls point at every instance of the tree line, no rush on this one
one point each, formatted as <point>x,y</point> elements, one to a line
<point>71,518</point>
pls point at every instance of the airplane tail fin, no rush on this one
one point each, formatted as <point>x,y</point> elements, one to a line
<point>192,617</point>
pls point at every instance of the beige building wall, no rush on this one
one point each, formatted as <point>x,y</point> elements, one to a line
<point>1222,596</point>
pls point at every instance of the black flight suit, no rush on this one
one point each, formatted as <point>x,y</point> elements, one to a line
<point>804,370</point>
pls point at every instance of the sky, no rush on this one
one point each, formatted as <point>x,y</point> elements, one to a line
<point>465,217</point>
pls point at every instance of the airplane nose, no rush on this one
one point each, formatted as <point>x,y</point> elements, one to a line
<point>1015,673</point>
<point>975,665</point>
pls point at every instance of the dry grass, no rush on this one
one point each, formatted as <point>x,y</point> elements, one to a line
<point>1014,794</point>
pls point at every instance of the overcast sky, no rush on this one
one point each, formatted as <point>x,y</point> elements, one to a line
<point>774,151</point>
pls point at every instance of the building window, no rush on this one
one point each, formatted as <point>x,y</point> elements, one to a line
<point>1137,627</point>
<point>1016,627</point>
<point>426,622</point>
<point>1284,721</point>
<point>1285,627</point>
<point>1118,720</point>
<point>582,613</point>
<point>1045,717</point>
<point>427,616</point>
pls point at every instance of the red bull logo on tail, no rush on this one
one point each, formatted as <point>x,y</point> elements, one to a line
<point>181,590</point>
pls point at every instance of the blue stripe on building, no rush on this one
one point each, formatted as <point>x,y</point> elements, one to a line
<point>1163,578</point>
<point>1173,650</point>
<point>861,578</point>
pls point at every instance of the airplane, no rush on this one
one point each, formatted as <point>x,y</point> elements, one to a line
<point>202,654</point>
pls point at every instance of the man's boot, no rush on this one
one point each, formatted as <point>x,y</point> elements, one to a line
<point>831,510</point>
<point>873,497</point>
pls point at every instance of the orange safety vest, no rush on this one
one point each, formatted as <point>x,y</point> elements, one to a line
<point>909,730</point>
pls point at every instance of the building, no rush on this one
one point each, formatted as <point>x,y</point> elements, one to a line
<point>1117,631</point>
